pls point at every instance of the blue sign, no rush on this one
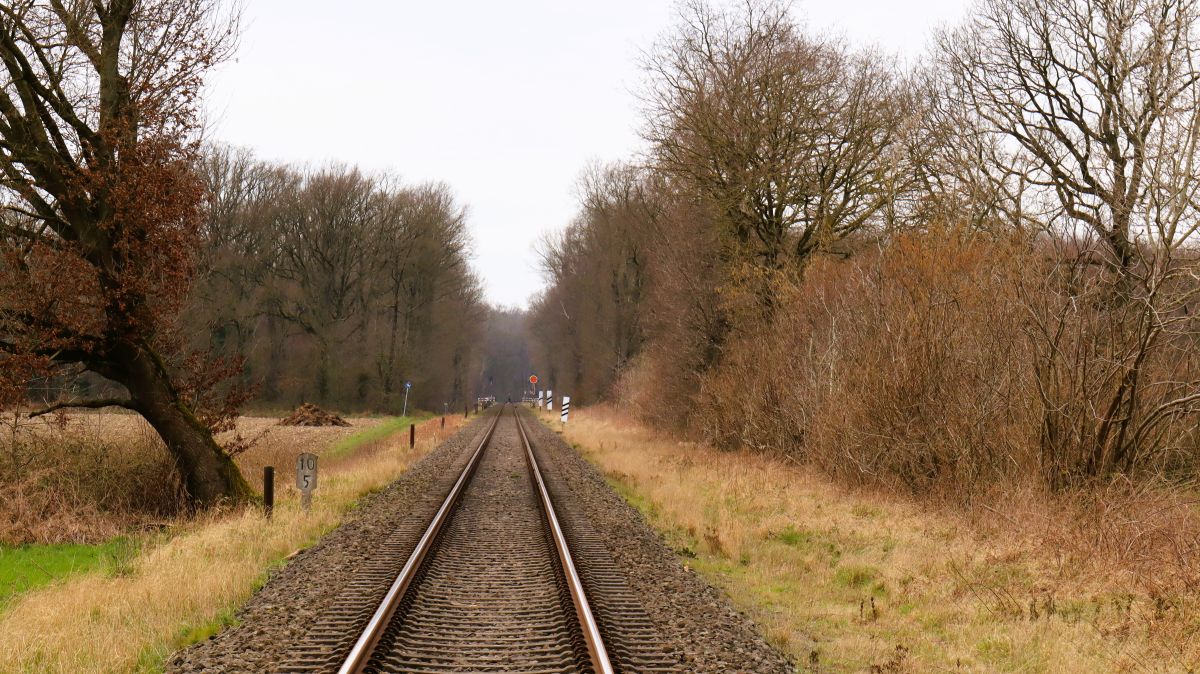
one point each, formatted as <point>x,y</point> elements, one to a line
<point>408,384</point>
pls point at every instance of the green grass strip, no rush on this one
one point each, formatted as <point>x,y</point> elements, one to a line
<point>348,445</point>
<point>27,567</point>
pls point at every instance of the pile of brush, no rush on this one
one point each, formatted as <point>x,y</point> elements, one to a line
<point>309,414</point>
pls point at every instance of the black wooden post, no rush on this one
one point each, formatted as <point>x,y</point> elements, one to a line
<point>269,490</point>
<point>412,436</point>
<point>443,421</point>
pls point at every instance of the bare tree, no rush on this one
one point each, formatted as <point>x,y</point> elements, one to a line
<point>505,366</point>
<point>101,205</point>
<point>325,233</point>
<point>1099,99</point>
<point>423,250</point>
<point>1094,105</point>
<point>963,173</point>
<point>357,279</point>
<point>590,324</point>
<point>792,141</point>
<point>237,244</point>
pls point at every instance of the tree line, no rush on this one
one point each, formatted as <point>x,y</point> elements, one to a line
<point>335,286</point>
<point>979,268</point>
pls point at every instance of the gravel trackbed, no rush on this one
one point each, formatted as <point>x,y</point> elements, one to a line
<point>696,625</point>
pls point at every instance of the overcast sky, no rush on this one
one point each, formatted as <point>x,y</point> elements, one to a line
<point>506,102</point>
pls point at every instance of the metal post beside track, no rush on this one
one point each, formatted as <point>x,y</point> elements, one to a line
<point>268,490</point>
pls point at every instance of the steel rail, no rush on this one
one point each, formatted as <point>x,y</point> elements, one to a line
<point>587,622</point>
<point>361,653</point>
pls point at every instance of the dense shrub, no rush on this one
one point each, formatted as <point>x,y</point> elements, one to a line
<point>905,364</point>
<point>101,476</point>
<point>949,361</point>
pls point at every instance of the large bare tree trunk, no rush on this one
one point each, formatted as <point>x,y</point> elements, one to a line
<point>210,475</point>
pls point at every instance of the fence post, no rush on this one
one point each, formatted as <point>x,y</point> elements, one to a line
<point>269,490</point>
<point>412,436</point>
<point>443,421</point>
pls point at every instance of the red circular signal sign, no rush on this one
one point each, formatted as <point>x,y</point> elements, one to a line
<point>533,379</point>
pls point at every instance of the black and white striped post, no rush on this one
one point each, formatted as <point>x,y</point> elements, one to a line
<point>549,400</point>
<point>566,408</point>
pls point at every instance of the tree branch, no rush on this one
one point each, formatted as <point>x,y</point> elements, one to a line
<point>89,404</point>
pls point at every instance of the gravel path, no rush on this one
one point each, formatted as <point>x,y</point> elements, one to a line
<point>701,631</point>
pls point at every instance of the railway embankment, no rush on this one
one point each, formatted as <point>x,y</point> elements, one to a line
<point>848,580</point>
<point>655,613</point>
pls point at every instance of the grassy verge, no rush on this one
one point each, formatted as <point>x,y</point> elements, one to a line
<point>349,445</point>
<point>28,567</point>
<point>848,582</point>
<point>187,587</point>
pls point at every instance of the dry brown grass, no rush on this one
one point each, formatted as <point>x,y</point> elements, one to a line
<point>98,476</point>
<point>278,446</point>
<point>866,581</point>
<point>103,474</point>
<point>179,588</point>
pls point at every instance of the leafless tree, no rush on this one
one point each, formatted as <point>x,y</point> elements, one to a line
<point>1094,106</point>
<point>325,231</point>
<point>422,262</point>
<point>1097,101</point>
<point>591,323</point>
<point>792,141</point>
<point>337,286</point>
<point>963,173</point>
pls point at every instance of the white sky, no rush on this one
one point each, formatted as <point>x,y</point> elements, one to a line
<point>504,101</point>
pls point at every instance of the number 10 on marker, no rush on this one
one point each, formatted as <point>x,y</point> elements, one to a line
<point>306,478</point>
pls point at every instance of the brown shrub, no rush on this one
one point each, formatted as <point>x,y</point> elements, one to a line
<point>91,479</point>
<point>903,365</point>
<point>946,361</point>
<point>687,314</point>
<point>1116,364</point>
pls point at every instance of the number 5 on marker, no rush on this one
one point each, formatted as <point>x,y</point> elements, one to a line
<point>306,472</point>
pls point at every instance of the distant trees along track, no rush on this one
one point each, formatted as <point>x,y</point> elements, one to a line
<point>491,585</point>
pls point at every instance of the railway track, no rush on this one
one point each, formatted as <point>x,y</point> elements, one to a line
<point>489,584</point>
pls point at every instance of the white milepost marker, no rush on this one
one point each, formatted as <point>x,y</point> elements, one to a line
<point>566,407</point>
<point>306,478</point>
<point>549,400</point>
